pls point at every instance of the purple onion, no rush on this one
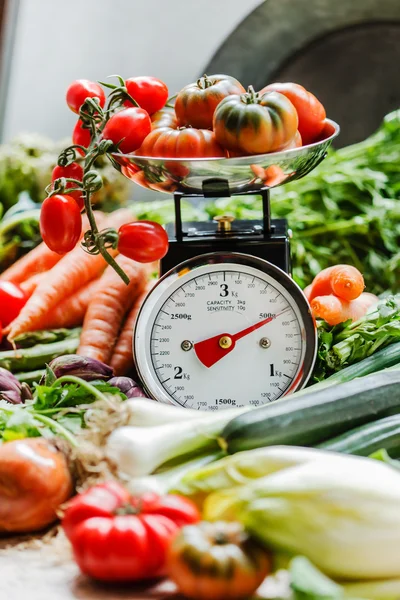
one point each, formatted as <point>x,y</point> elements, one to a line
<point>11,390</point>
<point>128,387</point>
<point>88,369</point>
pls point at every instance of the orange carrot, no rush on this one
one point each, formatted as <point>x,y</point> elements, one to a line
<point>30,285</point>
<point>73,271</point>
<point>40,259</point>
<point>334,310</point>
<point>122,359</point>
<point>36,261</point>
<point>307,291</point>
<point>343,281</point>
<point>71,311</point>
<point>108,307</point>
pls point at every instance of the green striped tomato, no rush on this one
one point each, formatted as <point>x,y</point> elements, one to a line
<point>196,102</point>
<point>255,123</point>
<point>185,142</point>
<point>216,561</point>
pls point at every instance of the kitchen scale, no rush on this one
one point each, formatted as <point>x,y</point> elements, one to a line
<point>225,325</point>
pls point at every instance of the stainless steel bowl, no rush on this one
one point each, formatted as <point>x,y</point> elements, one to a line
<point>242,173</point>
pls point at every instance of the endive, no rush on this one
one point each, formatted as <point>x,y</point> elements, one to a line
<point>343,515</point>
<point>245,467</point>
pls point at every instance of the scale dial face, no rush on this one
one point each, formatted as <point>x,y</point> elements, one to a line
<point>224,330</point>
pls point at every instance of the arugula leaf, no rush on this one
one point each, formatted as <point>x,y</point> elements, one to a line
<point>62,395</point>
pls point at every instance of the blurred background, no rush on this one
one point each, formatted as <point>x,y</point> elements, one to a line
<point>345,51</point>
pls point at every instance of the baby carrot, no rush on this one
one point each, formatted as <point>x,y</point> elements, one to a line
<point>122,359</point>
<point>343,281</point>
<point>72,272</point>
<point>30,285</point>
<point>335,310</point>
<point>108,307</point>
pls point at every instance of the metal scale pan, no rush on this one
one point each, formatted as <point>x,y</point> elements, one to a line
<point>242,173</point>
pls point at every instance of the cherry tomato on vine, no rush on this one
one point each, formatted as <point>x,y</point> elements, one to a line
<point>72,171</point>
<point>81,89</point>
<point>143,241</point>
<point>310,111</point>
<point>128,128</point>
<point>81,136</point>
<point>12,299</point>
<point>60,223</point>
<point>149,92</point>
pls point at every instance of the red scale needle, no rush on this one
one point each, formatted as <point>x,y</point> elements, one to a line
<point>210,352</point>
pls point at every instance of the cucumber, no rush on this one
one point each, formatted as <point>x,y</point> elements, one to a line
<point>314,417</point>
<point>364,440</point>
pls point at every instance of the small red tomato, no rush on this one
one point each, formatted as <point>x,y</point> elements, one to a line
<point>12,299</point>
<point>81,89</point>
<point>149,92</point>
<point>72,171</point>
<point>117,537</point>
<point>60,223</point>
<point>143,241</point>
<point>128,128</point>
<point>81,136</point>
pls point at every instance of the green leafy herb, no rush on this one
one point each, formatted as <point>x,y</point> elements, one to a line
<point>349,343</point>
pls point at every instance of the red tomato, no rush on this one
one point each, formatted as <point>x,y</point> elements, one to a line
<point>130,127</point>
<point>12,299</point>
<point>81,89</point>
<point>149,92</point>
<point>81,136</point>
<point>309,109</point>
<point>196,103</point>
<point>117,537</point>
<point>73,171</point>
<point>164,118</point>
<point>188,142</point>
<point>60,223</point>
<point>143,241</point>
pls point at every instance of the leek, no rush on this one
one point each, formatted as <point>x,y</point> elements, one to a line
<point>147,413</point>
<point>166,480</point>
<point>139,451</point>
<point>343,515</point>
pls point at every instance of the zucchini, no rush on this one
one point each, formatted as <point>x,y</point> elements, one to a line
<point>367,439</point>
<point>314,417</point>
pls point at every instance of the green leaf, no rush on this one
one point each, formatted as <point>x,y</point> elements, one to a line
<point>308,583</point>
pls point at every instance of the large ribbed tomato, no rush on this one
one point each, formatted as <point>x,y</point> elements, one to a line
<point>117,537</point>
<point>310,111</point>
<point>255,123</point>
<point>164,118</point>
<point>185,142</point>
<point>196,102</point>
<point>216,561</point>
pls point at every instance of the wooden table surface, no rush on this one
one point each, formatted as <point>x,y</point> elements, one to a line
<point>49,573</point>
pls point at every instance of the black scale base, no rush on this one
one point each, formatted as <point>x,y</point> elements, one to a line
<point>264,238</point>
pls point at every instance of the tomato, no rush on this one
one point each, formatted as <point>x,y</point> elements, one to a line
<point>196,103</point>
<point>143,241</point>
<point>12,299</point>
<point>128,128</point>
<point>60,223</point>
<point>72,171</point>
<point>81,136</point>
<point>81,89</point>
<point>181,143</point>
<point>255,123</point>
<point>164,118</point>
<point>310,111</point>
<point>216,561</point>
<point>117,537</point>
<point>149,92</point>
